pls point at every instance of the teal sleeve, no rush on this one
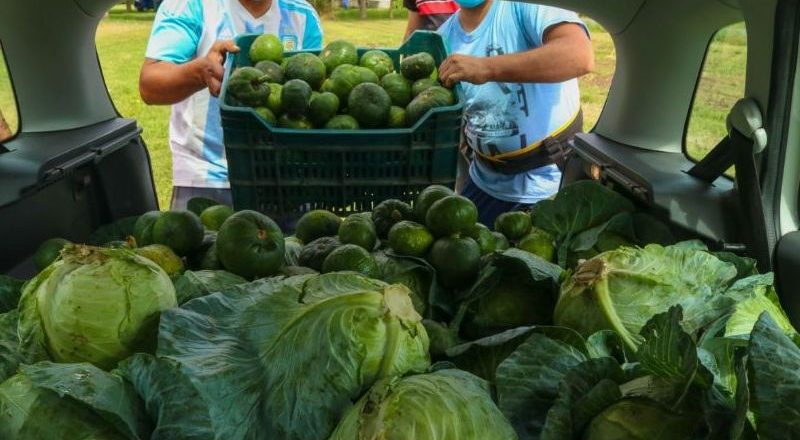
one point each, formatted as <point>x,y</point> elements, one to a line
<point>536,20</point>
<point>177,30</point>
<point>312,36</point>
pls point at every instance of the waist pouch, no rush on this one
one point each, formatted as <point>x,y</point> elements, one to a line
<point>554,149</point>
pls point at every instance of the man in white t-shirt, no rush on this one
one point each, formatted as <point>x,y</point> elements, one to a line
<point>184,67</point>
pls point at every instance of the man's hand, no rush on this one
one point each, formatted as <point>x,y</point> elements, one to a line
<point>162,82</point>
<point>211,67</point>
<point>566,54</point>
<point>455,68</point>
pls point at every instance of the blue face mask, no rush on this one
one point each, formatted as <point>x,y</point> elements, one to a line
<point>469,4</point>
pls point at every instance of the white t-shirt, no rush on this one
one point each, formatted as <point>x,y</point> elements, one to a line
<point>186,29</point>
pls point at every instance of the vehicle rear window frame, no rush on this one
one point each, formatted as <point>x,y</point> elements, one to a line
<point>684,139</point>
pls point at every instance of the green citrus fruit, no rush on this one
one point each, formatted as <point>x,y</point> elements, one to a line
<point>389,212</point>
<point>314,253</point>
<point>410,238</point>
<point>451,215</point>
<point>358,230</point>
<point>397,117</point>
<point>317,223</point>
<point>350,257</point>
<point>266,47</point>
<point>143,228</point>
<point>213,216</point>
<point>481,234</point>
<point>538,242</point>
<point>514,224</point>
<point>427,197</point>
<point>267,114</point>
<point>457,261</point>
<point>250,245</point>
<point>182,231</point>
<point>163,257</point>
<point>500,240</point>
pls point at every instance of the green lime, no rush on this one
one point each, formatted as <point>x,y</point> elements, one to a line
<point>182,231</point>
<point>163,257</point>
<point>481,234</point>
<point>514,224</point>
<point>267,114</point>
<point>350,257</point>
<point>266,47</point>
<point>427,197</point>
<point>457,261</point>
<point>397,117</point>
<point>410,238</point>
<point>451,215</point>
<point>539,242</point>
<point>213,216</point>
<point>317,223</point>
<point>359,230</point>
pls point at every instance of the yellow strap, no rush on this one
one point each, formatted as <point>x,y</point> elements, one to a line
<point>531,147</point>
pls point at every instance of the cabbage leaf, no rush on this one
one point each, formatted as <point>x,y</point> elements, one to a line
<point>48,400</point>
<point>773,365</point>
<point>448,404</point>
<point>10,357</point>
<point>285,358</point>
<point>171,399</point>
<point>621,290</point>
<point>577,208</point>
<point>10,289</point>
<point>194,284</point>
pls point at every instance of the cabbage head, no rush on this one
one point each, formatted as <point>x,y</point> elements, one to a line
<point>756,294</point>
<point>278,358</point>
<point>75,401</point>
<point>93,305</point>
<point>622,289</point>
<point>443,405</point>
<point>640,419</point>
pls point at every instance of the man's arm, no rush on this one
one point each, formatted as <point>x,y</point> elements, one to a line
<point>162,82</point>
<point>566,54</point>
<point>414,23</point>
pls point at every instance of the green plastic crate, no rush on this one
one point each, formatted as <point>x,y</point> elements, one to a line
<point>286,172</point>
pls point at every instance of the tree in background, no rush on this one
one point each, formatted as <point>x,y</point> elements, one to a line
<point>362,9</point>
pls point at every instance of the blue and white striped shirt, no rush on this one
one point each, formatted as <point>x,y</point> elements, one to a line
<point>186,29</point>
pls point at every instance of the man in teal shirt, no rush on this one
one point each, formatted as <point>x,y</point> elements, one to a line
<point>518,64</point>
<point>184,66</point>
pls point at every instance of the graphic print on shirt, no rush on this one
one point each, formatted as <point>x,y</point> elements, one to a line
<point>287,35</point>
<point>491,117</point>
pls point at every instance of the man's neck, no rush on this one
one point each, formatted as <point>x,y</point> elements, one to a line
<point>471,18</point>
<point>256,8</point>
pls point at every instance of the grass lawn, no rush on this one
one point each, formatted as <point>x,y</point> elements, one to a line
<point>122,38</point>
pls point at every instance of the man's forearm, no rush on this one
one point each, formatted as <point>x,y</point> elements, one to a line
<point>414,22</point>
<point>566,54</point>
<point>560,60</point>
<point>161,82</point>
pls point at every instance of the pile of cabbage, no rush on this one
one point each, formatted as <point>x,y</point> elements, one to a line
<point>648,339</point>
